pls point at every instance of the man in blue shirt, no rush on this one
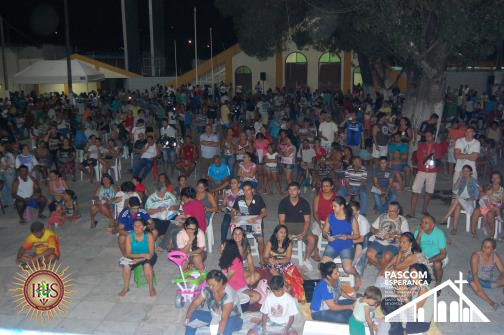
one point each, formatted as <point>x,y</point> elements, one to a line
<point>432,240</point>
<point>354,131</point>
<point>218,175</point>
<point>128,216</point>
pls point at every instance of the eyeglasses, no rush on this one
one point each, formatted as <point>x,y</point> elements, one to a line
<point>190,228</point>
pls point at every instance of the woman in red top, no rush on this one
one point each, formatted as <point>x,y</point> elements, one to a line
<point>322,206</point>
<point>188,155</point>
<point>192,207</point>
<point>319,151</point>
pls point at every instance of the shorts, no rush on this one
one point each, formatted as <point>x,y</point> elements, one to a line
<point>483,282</point>
<point>427,178</point>
<point>271,169</point>
<point>289,166</point>
<point>451,156</point>
<point>347,253</point>
<point>150,261</point>
<point>89,162</point>
<point>444,262</point>
<point>316,229</point>
<point>380,248</point>
<point>379,151</point>
<point>295,228</point>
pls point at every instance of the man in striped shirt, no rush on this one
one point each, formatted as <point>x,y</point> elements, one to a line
<point>356,183</point>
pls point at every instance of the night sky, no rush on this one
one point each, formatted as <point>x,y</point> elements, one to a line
<point>95,26</point>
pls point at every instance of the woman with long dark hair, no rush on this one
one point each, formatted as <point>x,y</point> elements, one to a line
<point>191,241</point>
<point>341,229</point>
<point>231,263</point>
<point>278,251</point>
<point>240,237</point>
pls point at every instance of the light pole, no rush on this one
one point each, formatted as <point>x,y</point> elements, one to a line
<point>69,62</point>
<point>4,61</point>
<point>176,69</point>
<point>211,61</point>
<point>195,45</point>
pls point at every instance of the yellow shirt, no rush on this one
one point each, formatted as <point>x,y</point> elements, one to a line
<point>49,240</point>
<point>225,114</point>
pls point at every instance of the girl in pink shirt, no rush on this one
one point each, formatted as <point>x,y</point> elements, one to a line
<point>231,264</point>
<point>192,207</point>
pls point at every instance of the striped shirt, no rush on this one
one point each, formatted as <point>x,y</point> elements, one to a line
<point>355,177</point>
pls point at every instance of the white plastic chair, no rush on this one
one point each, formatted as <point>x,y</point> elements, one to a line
<point>325,328</point>
<point>498,226</point>
<point>254,246</point>
<point>468,220</point>
<point>344,277</point>
<point>116,169</point>
<point>298,250</point>
<point>209,234</point>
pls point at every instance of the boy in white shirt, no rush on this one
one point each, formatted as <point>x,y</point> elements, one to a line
<point>278,311</point>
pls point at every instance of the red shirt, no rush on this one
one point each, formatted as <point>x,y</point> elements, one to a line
<point>188,152</point>
<point>195,209</point>
<point>325,206</point>
<point>319,153</point>
<point>425,149</point>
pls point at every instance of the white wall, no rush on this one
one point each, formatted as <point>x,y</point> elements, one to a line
<point>77,88</point>
<point>257,66</point>
<point>475,79</point>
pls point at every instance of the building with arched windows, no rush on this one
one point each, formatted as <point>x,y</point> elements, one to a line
<point>290,68</point>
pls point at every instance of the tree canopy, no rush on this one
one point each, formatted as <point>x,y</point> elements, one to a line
<point>420,35</point>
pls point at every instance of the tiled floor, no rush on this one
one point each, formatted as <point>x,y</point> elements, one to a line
<point>92,256</point>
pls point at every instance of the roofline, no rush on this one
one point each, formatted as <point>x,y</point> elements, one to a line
<point>109,67</point>
<point>431,292</point>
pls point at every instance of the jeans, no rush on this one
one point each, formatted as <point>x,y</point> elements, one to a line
<point>362,196</point>
<point>226,222</point>
<point>234,323</point>
<point>230,161</point>
<point>8,177</point>
<point>141,164</point>
<point>334,316</point>
<point>382,203</point>
<point>169,156</point>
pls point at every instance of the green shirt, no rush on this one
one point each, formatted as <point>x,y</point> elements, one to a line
<point>432,243</point>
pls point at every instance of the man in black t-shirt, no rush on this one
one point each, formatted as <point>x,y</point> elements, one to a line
<point>294,212</point>
<point>429,126</point>
<point>251,204</point>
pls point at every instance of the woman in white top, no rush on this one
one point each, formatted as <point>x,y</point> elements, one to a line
<point>149,153</point>
<point>288,155</point>
<point>92,152</point>
<point>271,170</point>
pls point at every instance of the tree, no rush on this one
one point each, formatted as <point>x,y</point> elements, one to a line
<point>422,36</point>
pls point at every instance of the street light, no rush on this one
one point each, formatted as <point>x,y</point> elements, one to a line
<point>190,41</point>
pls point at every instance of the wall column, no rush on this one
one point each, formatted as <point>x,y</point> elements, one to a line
<point>229,70</point>
<point>347,71</point>
<point>279,73</point>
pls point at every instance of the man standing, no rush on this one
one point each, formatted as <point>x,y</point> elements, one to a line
<point>467,151</point>
<point>294,212</point>
<point>380,137</point>
<point>356,177</point>
<point>354,133</point>
<point>328,131</point>
<point>383,189</point>
<point>252,204</point>
<point>429,125</point>
<point>428,154</point>
<point>209,148</point>
<point>432,240</point>
<point>454,133</point>
<point>218,175</point>
<point>387,230</point>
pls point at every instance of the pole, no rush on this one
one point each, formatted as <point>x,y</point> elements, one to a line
<point>151,28</point>
<point>195,46</point>
<point>4,63</point>
<point>176,68</point>
<point>211,62</point>
<point>125,35</point>
<point>69,62</point>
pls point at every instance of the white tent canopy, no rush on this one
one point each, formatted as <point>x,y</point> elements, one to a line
<point>55,72</point>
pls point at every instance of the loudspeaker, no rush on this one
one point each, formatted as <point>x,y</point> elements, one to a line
<point>263,76</point>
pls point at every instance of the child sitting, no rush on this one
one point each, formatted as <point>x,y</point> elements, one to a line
<point>278,311</point>
<point>71,209</point>
<point>364,312</point>
<point>55,215</point>
<point>140,188</point>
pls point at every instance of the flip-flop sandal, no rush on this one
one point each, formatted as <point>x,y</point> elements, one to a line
<point>316,258</point>
<point>94,224</point>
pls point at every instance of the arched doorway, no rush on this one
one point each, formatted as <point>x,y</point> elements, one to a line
<point>243,78</point>
<point>296,70</point>
<point>329,71</point>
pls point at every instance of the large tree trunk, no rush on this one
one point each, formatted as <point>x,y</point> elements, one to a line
<point>426,88</point>
<point>366,73</point>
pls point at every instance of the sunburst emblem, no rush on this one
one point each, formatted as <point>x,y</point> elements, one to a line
<point>43,290</point>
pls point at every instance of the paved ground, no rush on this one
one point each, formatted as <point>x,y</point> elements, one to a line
<point>92,256</point>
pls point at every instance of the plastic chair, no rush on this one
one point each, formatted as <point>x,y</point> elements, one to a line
<point>344,277</point>
<point>298,249</point>
<point>254,246</point>
<point>498,226</point>
<point>116,169</point>
<point>468,221</point>
<point>209,234</point>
